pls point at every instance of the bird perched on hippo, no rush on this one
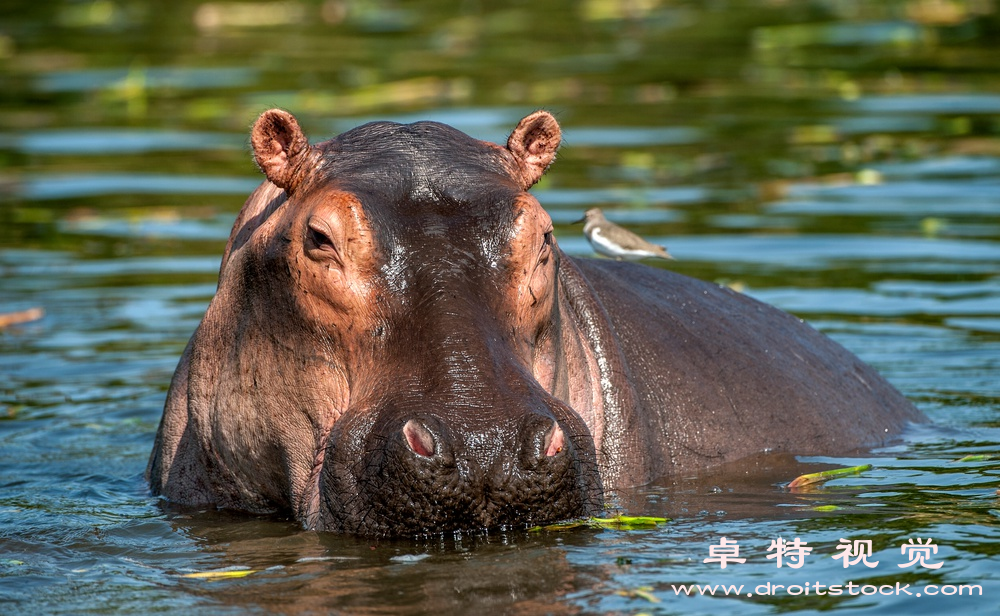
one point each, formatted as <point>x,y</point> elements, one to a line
<point>611,240</point>
<point>397,346</point>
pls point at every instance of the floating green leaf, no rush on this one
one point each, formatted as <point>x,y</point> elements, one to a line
<point>811,478</point>
<point>220,575</point>
<point>625,522</point>
<point>618,522</point>
<point>931,226</point>
<point>826,508</point>
<point>979,457</point>
<point>642,592</point>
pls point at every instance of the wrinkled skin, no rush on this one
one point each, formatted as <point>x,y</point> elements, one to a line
<point>398,347</point>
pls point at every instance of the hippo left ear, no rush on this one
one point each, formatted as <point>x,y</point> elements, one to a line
<point>281,149</point>
<point>534,143</point>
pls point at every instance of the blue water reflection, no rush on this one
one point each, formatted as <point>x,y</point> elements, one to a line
<point>188,78</point>
<point>117,142</point>
<point>68,186</point>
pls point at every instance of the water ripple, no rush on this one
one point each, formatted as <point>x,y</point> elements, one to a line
<point>184,78</point>
<point>68,186</point>
<point>117,141</point>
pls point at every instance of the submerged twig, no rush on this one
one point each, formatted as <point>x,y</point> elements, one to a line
<point>21,316</point>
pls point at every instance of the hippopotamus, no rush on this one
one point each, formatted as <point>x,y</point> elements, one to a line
<point>398,347</point>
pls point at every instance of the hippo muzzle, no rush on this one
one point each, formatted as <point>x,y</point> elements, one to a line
<point>463,437</point>
<point>427,475</point>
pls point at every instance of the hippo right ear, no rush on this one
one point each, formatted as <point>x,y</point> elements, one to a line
<point>281,149</point>
<point>534,143</point>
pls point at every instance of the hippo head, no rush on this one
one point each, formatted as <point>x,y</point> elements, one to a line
<point>384,352</point>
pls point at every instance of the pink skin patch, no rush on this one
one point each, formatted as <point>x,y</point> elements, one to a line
<point>555,441</point>
<point>419,438</point>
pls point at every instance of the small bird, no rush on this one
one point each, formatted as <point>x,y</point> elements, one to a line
<point>610,240</point>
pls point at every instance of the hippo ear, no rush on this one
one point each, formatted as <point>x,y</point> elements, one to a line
<point>281,148</point>
<point>534,143</point>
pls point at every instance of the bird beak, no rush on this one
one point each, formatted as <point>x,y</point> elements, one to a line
<point>576,222</point>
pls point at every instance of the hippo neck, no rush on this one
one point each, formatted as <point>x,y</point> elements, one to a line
<point>613,416</point>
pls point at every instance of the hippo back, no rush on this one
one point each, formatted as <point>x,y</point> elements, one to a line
<point>720,376</point>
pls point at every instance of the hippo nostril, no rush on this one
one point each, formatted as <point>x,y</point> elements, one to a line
<point>555,440</point>
<point>419,438</point>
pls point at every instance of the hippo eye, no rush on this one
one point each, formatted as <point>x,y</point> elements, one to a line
<point>546,249</point>
<point>319,246</point>
<point>318,238</point>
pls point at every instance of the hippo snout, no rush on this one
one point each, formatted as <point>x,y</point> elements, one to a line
<point>540,438</point>
<point>426,475</point>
